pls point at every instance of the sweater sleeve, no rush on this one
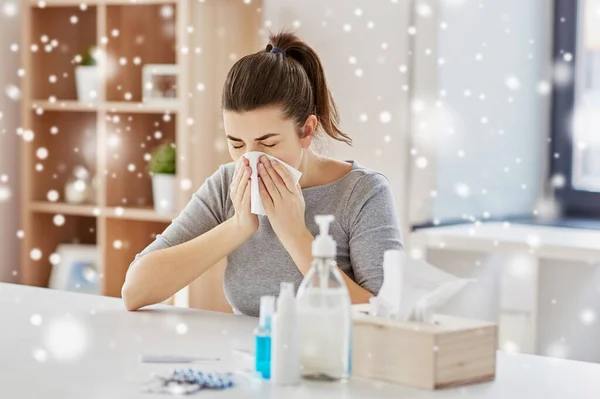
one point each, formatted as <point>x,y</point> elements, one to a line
<point>373,229</point>
<point>203,212</point>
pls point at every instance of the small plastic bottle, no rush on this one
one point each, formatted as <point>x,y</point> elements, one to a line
<point>324,313</point>
<point>262,336</point>
<point>285,349</point>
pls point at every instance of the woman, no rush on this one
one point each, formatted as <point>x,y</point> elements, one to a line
<point>275,101</point>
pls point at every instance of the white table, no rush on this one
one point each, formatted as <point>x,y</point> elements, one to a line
<point>110,366</point>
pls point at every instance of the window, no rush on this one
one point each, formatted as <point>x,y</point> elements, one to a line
<point>576,107</point>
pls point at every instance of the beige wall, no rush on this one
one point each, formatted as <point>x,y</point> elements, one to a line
<point>9,145</point>
<point>378,41</point>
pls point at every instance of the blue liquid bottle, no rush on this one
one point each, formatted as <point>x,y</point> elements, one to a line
<point>262,336</point>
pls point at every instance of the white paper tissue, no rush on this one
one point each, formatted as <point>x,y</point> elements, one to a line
<point>412,288</point>
<point>256,205</point>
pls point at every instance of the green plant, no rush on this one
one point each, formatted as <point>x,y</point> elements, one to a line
<point>88,58</point>
<point>163,159</point>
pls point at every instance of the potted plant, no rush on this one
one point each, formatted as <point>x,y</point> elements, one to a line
<point>87,76</point>
<point>162,169</point>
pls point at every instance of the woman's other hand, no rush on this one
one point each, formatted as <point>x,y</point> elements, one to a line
<point>240,196</point>
<point>283,201</point>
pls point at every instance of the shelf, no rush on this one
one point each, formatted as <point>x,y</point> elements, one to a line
<point>115,212</point>
<point>64,208</point>
<point>65,105</point>
<point>138,107</point>
<point>71,3</point>
<point>142,214</point>
<point>132,107</point>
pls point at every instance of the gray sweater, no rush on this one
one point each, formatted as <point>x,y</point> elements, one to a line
<point>365,227</point>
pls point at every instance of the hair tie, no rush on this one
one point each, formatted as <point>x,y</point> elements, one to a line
<point>276,50</point>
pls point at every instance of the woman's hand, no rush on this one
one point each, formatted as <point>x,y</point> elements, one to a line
<point>284,204</point>
<point>240,196</point>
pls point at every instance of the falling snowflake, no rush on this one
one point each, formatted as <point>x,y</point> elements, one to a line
<point>358,72</point>
<point>42,153</point>
<point>412,30</point>
<point>35,254</point>
<point>563,74</point>
<point>181,328</point>
<point>296,24</point>
<point>484,120</point>
<point>58,220</point>
<point>352,60</point>
<point>385,117</point>
<point>117,244</point>
<point>52,196</point>
<point>544,88</point>
<point>370,24</point>
<point>363,117</point>
<point>20,234</point>
<point>421,163</point>
<point>167,12</point>
<point>587,317</point>
<point>40,355</point>
<point>558,349</point>
<point>568,57</point>
<point>36,320</point>
<point>510,347</point>
<point>74,19</point>
<point>358,12</point>
<point>558,181</point>
<point>512,82</point>
<point>9,9</point>
<point>119,211</point>
<point>13,92</point>
<point>424,10</point>
<point>54,259</point>
<point>5,193</point>
<point>186,184</point>
<point>462,190</point>
<point>66,339</point>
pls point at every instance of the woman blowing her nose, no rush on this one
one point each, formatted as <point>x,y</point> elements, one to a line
<point>275,101</point>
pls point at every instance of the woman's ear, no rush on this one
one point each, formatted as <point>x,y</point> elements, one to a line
<point>308,130</point>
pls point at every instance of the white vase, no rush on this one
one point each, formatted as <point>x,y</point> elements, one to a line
<point>88,83</point>
<point>163,192</point>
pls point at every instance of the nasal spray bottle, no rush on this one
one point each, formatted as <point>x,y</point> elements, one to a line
<point>324,313</point>
<point>262,336</point>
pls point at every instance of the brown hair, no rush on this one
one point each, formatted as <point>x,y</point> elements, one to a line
<point>288,73</point>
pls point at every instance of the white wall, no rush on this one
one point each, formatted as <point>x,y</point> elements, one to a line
<point>9,146</point>
<point>377,39</point>
<point>484,44</point>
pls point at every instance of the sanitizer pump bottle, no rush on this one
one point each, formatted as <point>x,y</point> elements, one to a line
<point>324,314</point>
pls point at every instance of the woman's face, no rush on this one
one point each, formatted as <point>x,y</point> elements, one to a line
<point>267,130</point>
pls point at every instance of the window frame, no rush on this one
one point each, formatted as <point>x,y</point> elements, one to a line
<point>574,202</point>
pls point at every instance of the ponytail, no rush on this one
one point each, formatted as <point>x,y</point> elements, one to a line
<point>288,73</point>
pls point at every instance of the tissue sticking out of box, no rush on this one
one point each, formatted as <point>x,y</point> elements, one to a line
<point>412,288</point>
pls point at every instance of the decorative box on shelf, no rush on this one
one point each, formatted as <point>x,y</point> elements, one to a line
<point>452,351</point>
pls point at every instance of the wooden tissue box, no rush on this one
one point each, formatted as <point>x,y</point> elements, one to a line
<point>454,351</point>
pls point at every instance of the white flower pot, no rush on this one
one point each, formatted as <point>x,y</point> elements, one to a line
<point>88,83</point>
<point>163,192</point>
